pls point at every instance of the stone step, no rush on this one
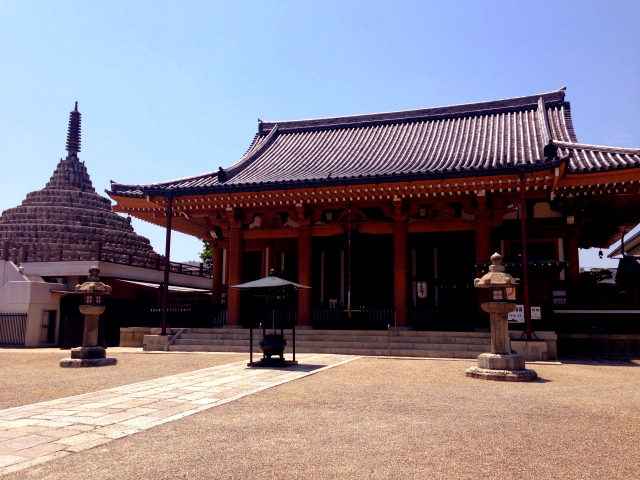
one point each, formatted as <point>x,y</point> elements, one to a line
<point>212,348</point>
<point>335,350</point>
<point>301,331</point>
<point>347,342</point>
<point>244,343</point>
<point>215,336</point>
<point>320,337</point>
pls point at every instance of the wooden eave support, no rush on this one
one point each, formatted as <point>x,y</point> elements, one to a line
<point>201,212</point>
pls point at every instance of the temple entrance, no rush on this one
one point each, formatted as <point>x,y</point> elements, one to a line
<point>371,271</point>
<point>446,262</point>
<point>363,279</point>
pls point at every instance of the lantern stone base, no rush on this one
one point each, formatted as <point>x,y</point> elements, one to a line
<point>87,362</point>
<point>501,361</point>
<point>502,375</point>
<point>87,357</point>
<point>502,367</point>
<point>88,352</point>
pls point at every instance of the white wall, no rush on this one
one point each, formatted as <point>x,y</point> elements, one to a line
<point>32,298</point>
<point>10,273</point>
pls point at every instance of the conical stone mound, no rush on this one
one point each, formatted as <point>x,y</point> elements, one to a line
<point>69,215</point>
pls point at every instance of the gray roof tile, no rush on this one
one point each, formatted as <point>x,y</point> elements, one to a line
<point>482,138</point>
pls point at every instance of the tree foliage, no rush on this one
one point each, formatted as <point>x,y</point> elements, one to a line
<point>207,254</point>
<point>595,276</point>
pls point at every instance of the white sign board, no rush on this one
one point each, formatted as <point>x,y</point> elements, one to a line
<point>535,313</point>
<point>517,316</point>
<point>421,287</point>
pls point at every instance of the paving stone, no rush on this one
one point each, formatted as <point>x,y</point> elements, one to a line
<point>41,450</point>
<point>11,459</point>
<point>87,445</point>
<point>26,441</point>
<point>80,438</point>
<point>78,427</point>
<point>33,461</point>
<point>37,433</point>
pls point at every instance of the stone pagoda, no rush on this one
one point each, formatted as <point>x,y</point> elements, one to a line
<point>68,216</point>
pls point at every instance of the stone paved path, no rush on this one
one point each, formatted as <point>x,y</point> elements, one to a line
<point>40,432</point>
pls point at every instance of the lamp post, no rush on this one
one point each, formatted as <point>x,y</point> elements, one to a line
<point>90,354</point>
<point>500,364</point>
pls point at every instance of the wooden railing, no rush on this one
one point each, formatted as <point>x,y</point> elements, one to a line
<point>25,253</point>
<point>13,327</point>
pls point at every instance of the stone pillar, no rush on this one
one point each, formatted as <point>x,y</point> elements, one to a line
<point>235,276</point>
<point>91,324</point>
<point>500,339</point>
<point>216,274</point>
<point>400,273</point>
<point>304,275</point>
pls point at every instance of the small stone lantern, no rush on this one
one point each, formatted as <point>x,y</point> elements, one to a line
<point>500,364</point>
<point>90,354</point>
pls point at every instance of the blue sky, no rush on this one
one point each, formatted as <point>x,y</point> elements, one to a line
<point>173,89</point>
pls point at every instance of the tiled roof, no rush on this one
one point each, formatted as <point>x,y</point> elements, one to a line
<point>478,139</point>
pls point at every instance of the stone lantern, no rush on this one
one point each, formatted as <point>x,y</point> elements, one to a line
<point>500,364</point>
<point>90,354</point>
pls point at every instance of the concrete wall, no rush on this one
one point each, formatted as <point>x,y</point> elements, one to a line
<point>533,350</point>
<point>32,298</point>
<point>133,336</point>
<point>10,273</point>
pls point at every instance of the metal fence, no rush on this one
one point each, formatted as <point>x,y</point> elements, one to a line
<point>362,318</point>
<point>13,328</point>
<point>463,319</point>
<point>188,317</point>
<point>269,318</point>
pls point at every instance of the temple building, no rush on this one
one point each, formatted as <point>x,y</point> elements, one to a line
<point>390,216</point>
<point>49,242</point>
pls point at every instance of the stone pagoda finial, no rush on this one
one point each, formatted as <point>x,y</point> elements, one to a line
<point>73,136</point>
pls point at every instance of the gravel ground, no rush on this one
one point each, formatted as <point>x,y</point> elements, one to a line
<point>31,376</point>
<point>385,418</point>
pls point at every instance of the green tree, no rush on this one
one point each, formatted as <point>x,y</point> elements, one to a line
<point>207,254</point>
<point>595,276</point>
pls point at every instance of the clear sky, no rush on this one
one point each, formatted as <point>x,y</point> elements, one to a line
<point>174,89</point>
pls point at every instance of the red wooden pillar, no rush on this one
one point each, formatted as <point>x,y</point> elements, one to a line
<point>483,253</point>
<point>304,275</point>
<point>216,273</point>
<point>235,276</point>
<point>400,273</point>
